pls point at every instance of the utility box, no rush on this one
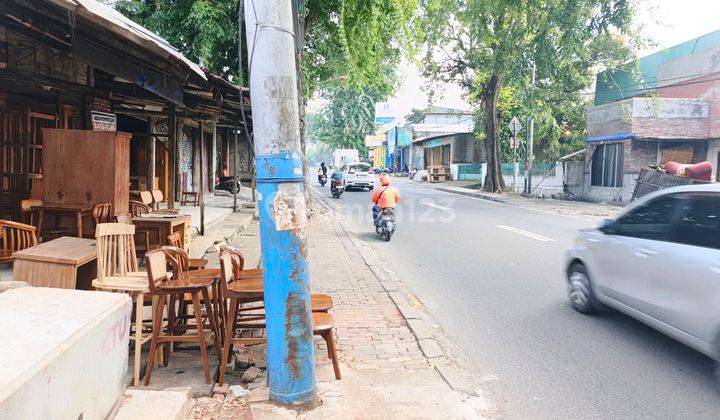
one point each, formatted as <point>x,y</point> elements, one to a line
<point>64,353</point>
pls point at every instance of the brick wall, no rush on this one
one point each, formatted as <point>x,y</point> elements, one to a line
<point>693,128</point>
<point>639,154</point>
<point>706,87</point>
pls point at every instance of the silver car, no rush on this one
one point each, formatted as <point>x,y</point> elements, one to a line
<point>659,262</point>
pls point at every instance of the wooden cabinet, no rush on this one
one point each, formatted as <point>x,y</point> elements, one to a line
<point>86,167</point>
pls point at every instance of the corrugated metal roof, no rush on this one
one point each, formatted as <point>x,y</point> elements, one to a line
<point>128,29</point>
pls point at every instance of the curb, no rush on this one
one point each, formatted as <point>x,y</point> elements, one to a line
<point>474,194</point>
<point>215,246</point>
<point>420,328</point>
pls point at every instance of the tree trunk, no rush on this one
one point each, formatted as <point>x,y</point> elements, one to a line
<point>493,179</point>
<point>299,45</point>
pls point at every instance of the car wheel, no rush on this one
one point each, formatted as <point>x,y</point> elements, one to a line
<point>580,293</point>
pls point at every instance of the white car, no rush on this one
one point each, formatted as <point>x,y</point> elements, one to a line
<point>358,175</point>
<point>658,262</point>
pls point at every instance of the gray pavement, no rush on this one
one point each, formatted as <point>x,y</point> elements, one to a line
<point>491,275</point>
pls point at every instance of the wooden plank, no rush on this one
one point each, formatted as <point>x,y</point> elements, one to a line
<point>64,250</point>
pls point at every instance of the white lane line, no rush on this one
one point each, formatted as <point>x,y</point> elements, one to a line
<point>526,233</point>
<point>437,206</point>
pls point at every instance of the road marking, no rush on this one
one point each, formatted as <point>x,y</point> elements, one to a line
<point>429,204</point>
<point>526,233</point>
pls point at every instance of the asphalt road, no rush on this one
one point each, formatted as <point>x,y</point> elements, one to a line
<point>492,276</point>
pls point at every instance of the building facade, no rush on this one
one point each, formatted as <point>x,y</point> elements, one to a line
<point>666,109</point>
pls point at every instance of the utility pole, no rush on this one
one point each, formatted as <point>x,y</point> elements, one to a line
<point>282,208</point>
<point>530,137</point>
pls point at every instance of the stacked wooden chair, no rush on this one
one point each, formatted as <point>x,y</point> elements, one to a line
<point>238,287</point>
<point>164,287</point>
<point>117,271</point>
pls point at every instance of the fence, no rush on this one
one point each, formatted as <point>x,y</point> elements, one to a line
<point>470,172</point>
<point>539,168</point>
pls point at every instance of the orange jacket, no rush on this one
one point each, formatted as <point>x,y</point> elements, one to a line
<point>386,197</point>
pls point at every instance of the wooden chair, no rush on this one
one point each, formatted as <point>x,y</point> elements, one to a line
<point>158,198</point>
<point>163,287</point>
<point>138,208</point>
<point>189,197</point>
<point>142,237</point>
<point>146,198</point>
<point>249,290</point>
<point>118,272</point>
<point>102,213</point>
<point>29,211</point>
<point>15,237</point>
<point>174,239</point>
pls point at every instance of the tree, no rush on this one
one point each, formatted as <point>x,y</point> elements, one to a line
<point>488,46</point>
<point>345,119</point>
<point>206,31</point>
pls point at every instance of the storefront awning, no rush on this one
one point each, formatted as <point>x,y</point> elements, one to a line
<point>611,137</point>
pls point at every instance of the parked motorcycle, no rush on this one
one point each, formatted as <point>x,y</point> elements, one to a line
<point>386,224</point>
<point>337,187</point>
<point>322,179</point>
<point>227,183</point>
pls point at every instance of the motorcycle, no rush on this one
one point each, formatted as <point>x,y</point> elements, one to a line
<point>227,183</point>
<point>322,179</point>
<point>337,187</point>
<point>386,224</point>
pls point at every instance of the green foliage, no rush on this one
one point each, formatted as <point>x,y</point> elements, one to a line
<point>204,30</point>
<point>356,40</point>
<point>346,117</point>
<point>353,40</point>
<point>487,46</point>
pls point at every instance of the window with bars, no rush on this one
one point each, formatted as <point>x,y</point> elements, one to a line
<point>607,166</point>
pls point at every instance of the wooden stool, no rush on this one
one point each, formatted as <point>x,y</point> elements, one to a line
<point>161,286</point>
<point>189,197</point>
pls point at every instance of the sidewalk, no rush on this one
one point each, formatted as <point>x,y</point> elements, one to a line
<point>387,372</point>
<point>581,209</point>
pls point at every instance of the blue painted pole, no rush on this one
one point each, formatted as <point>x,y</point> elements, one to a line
<point>281,202</point>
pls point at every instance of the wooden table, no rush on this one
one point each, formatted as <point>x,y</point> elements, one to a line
<point>65,263</point>
<point>160,227</point>
<point>78,210</point>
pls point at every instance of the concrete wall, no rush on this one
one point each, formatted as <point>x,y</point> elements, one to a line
<point>542,186</point>
<point>609,194</point>
<point>575,179</point>
<point>66,354</point>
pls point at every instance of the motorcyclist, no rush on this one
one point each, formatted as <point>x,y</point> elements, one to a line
<point>322,171</point>
<point>384,197</point>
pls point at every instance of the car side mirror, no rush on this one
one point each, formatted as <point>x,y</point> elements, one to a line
<point>607,226</point>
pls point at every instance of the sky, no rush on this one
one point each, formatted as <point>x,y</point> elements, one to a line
<point>665,22</point>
